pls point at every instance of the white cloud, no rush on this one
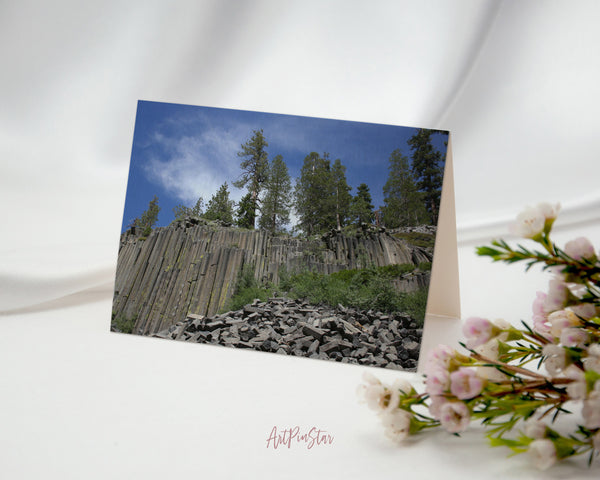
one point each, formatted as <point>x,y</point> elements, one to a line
<point>196,166</point>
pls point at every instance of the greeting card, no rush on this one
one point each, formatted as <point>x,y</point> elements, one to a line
<point>292,235</point>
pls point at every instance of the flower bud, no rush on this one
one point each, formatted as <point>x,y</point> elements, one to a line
<point>543,453</point>
<point>535,428</point>
<point>550,212</point>
<point>556,359</point>
<point>580,248</point>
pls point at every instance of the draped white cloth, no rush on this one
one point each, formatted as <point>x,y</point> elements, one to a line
<point>515,82</point>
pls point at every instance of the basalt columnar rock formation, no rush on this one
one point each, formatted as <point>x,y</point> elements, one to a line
<point>192,268</point>
<point>288,327</point>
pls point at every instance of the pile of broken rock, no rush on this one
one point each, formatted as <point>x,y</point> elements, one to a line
<point>290,327</point>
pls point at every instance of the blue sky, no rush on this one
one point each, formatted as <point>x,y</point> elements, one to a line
<point>182,152</point>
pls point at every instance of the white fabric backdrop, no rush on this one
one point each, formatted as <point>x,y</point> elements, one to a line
<point>515,83</point>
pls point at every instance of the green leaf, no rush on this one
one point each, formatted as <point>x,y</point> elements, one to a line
<point>564,447</point>
<point>515,445</point>
<point>591,377</point>
<point>488,251</point>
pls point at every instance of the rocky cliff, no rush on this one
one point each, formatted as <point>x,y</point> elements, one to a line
<point>191,268</point>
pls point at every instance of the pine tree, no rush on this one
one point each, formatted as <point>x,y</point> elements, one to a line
<point>342,194</point>
<point>245,212</point>
<point>313,195</point>
<point>362,208</point>
<point>181,211</point>
<point>220,207</point>
<point>427,164</point>
<point>254,168</point>
<point>149,218</point>
<point>404,205</point>
<point>277,200</point>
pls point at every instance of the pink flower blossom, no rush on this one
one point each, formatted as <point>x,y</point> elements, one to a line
<point>437,382</point>
<point>538,304</point>
<point>573,337</point>
<point>543,453</point>
<point>550,212</point>
<point>591,410</point>
<point>396,424</point>
<point>477,331</point>
<point>577,390</point>
<point>529,223</point>
<point>535,428</point>
<point>490,350</point>
<point>584,310</point>
<point>560,320</point>
<point>439,357</point>
<point>455,416</point>
<point>372,392</point>
<point>557,297</point>
<point>592,361</point>
<point>541,326</point>
<point>464,383</point>
<point>580,248</point>
<point>380,397</point>
<point>402,386</point>
<point>556,359</point>
<point>436,404</point>
<point>540,317</point>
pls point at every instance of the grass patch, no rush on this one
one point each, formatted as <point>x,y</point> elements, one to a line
<point>424,240</point>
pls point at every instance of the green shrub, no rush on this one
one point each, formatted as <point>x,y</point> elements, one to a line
<point>415,303</point>
<point>366,289</point>
<point>246,296</point>
<point>123,324</point>
<point>247,289</point>
<point>396,270</point>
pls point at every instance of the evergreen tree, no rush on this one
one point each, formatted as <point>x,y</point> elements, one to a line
<point>147,220</point>
<point>314,195</point>
<point>245,212</point>
<point>362,208</point>
<point>342,194</point>
<point>181,211</point>
<point>277,200</point>
<point>254,168</point>
<point>404,205</point>
<point>220,207</point>
<point>427,164</point>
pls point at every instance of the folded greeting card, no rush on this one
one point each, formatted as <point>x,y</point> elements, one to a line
<point>285,234</point>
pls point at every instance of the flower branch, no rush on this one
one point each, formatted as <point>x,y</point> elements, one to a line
<point>491,383</point>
